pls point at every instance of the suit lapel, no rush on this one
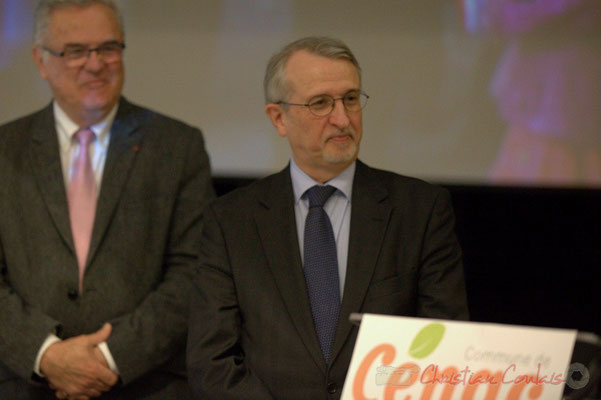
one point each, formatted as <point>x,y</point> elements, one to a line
<point>123,146</point>
<point>47,169</point>
<point>369,218</point>
<point>276,224</point>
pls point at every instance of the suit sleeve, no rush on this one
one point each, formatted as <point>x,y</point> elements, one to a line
<point>155,331</point>
<point>441,286</point>
<point>18,351</point>
<point>23,327</point>
<point>215,358</point>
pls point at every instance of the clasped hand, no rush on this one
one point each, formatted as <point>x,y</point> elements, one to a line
<point>76,368</point>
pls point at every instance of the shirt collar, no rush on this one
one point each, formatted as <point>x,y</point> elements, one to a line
<point>69,128</point>
<point>301,182</point>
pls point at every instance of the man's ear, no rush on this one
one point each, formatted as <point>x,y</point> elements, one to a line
<point>277,117</point>
<point>37,53</point>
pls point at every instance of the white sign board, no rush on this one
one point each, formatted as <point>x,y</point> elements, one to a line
<point>415,358</point>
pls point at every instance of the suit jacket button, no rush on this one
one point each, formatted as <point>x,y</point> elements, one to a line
<point>72,294</point>
<point>332,388</point>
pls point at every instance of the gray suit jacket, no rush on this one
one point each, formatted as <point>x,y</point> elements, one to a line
<point>251,330</point>
<point>143,251</point>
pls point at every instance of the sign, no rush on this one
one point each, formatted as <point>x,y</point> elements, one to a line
<point>416,358</point>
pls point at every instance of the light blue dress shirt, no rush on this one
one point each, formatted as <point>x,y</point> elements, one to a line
<point>338,208</point>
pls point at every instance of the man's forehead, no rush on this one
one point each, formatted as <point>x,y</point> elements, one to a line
<point>306,58</point>
<point>308,72</point>
<point>93,19</point>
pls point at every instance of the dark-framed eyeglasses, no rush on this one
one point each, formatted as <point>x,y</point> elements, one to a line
<point>76,55</point>
<point>323,104</point>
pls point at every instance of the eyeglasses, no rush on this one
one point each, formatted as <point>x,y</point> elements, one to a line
<point>323,104</point>
<point>77,55</point>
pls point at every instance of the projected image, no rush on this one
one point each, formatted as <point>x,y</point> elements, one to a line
<point>468,92</point>
<point>547,88</point>
<point>15,27</point>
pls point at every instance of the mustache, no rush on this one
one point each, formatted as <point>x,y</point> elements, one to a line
<point>344,131</point>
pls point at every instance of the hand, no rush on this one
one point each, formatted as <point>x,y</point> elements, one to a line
<point>62,395</point>
<point>100,356</point>
<point>73,367</point>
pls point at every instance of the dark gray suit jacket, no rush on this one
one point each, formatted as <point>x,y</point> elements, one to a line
<point>143,252</point>
<point>251,330</point>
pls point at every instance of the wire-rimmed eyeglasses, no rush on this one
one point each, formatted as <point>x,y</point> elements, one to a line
<point>76,55</point>
<point>323,104</point>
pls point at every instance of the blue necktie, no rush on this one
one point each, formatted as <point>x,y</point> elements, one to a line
<point>321,268</point>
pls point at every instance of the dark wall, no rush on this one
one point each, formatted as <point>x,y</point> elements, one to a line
<point>531,256</point>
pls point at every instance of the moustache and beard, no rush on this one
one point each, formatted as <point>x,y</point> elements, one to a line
<point>341,152</point>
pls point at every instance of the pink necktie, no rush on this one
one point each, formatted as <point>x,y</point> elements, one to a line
<point>81,195</point>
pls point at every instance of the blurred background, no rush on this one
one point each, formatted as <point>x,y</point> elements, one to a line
<point>497,100</point>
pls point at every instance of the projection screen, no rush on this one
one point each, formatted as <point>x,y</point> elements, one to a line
<point>492,92</point>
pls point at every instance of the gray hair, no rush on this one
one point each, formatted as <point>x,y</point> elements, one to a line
<point>46,7</point>
<point>275,84</point>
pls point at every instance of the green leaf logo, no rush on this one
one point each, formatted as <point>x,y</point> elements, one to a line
<point>426,340</point>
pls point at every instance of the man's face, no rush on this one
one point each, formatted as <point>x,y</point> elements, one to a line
<point>86,93</point>
<point>322,146</point>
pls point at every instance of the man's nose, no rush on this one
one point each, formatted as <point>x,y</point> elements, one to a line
<point>339,115</point>
<point>94,61</point>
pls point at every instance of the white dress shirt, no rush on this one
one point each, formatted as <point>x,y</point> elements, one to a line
<point>69,149</point>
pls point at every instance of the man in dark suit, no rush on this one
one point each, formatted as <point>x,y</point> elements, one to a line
<point>270,313</point>
<point>100,214</point>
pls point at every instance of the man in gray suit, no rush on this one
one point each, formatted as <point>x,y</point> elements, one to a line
<point>100,214</point>
<point>285,260</point>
